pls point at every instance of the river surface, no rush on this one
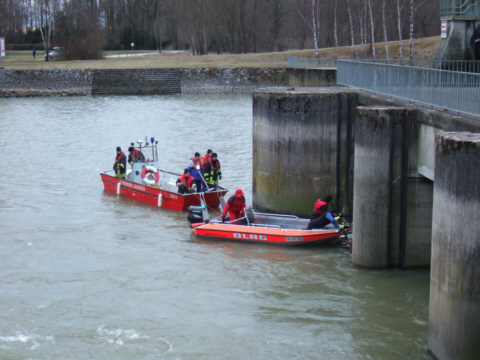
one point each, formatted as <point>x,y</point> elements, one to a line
<point>87,275</point>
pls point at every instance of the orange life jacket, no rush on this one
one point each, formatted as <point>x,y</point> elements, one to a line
<point>203,159</point>
<point>119,158</point>
<point>188,181</point>
<point>217,165</point>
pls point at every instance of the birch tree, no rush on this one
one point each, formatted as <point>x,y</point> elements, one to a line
<point>315,25</point>
<point>44,13</point>
<point>413,10</point>
<point>372,27</point>
<point>385,30</point>
<point>411,28</point>
<point>335,31</point>
<point>362,13</point>
<point>351,29</point>
<point>399,28</point>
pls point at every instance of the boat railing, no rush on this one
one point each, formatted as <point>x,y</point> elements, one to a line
<point>218,220</point>
<point>277,215</point>
<point>266,226</point>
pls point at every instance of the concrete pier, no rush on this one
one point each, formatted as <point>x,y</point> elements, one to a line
<point>302,148</point>
<point>454,313</point>
<point>379,186</point>
<point>458,45</point>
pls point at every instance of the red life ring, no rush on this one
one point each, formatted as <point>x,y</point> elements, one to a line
<point>147,170</point>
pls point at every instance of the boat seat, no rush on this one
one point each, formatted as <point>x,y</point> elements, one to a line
<point>250,215</point>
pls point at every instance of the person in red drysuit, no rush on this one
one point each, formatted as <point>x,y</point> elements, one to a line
<point>235,206</point>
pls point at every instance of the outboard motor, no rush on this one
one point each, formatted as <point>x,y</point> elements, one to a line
<point>195,214</point>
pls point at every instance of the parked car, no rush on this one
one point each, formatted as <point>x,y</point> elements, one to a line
<point>55,53</point>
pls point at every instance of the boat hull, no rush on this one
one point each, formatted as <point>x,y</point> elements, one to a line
<point>157,196</point>
<point>254,234</point>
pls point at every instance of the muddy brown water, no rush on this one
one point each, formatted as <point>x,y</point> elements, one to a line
<point>87,275</point>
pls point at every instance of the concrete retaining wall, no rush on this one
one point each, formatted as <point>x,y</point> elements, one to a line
<point>311,77</point>
<point>15,83</point>
<point>79,82</point>
<point>154,81</point>
<point>230,80</point>
<point>136,82</point>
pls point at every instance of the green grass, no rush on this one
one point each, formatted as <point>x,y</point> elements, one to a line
<point>28,55</point>
<point>424,49</point>
<point>23,55</point>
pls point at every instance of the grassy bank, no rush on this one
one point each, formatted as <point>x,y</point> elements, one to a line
<point>424,49</point>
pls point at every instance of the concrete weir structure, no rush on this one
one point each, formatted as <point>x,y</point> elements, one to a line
<point>302,149</point>
<point>375,156</point>
<point>380,181</point>
<point>454,316</point>
<point>408,175</point>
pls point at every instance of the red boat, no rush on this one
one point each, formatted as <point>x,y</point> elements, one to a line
<point>147,183</point>
<point>263,228</point>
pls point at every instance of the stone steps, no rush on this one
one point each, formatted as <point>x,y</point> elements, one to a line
<point>136,82</point>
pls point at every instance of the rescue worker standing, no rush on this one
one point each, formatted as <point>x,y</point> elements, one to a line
<point>185,183</point>
<point>135,155</point>
<point>120,165</point>
<point>326,218</point>
<point>213,173</point>
<point>196,170</point>
<point>235,207</point>
<point>206,157</point>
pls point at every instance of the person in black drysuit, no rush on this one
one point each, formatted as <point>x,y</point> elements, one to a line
<point>321,206</point>
<point>326,218</point>
<point>135,155</point>
<point>120,165</point>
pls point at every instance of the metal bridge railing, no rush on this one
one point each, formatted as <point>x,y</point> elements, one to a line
<point>453,65</point>
<point>448,90</point>
<point>471,66</point>
<point>463,8</point>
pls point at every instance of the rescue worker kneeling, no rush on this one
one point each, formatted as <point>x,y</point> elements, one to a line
<point>329,217</point>
<point>185,183</point>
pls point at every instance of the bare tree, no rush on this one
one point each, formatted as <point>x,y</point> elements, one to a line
<point>400,4</point>
<point>362,19</point>
<point>413,10</point>
<point>351,29</point>
<point>231,22</point>
<point>277,18</point>
<point>44,17</point>
<point>315,25</point>
<point>385,30</point>
<point>221,25</point>
<point>335,31</point>
<point>372,27</point>
<point>254,20</point>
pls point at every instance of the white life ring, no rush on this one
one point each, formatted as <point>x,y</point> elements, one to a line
<point>147,170</point>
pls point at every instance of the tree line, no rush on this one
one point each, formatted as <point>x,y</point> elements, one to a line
<point>86,27</point>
